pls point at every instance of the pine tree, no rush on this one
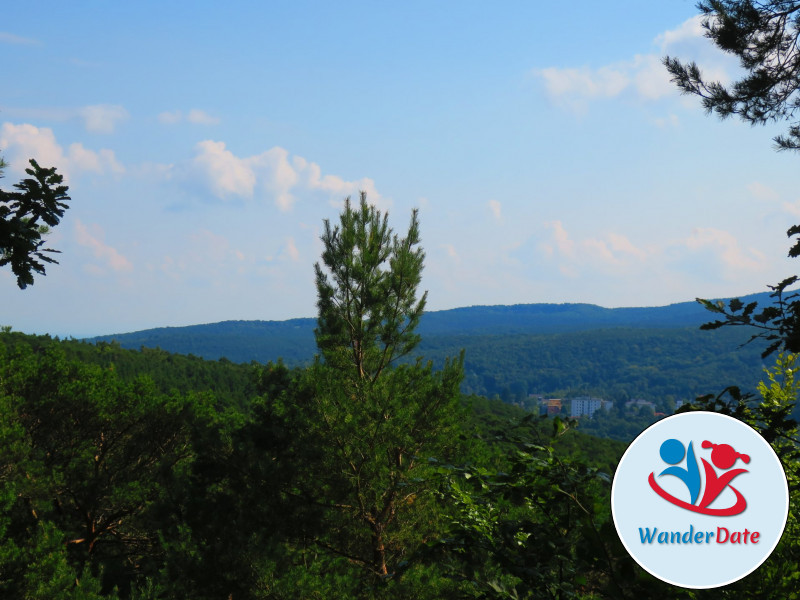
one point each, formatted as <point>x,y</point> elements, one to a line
<point>378,417</point>
<point>764,37</point>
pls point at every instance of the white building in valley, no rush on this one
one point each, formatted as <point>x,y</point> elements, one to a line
<point>584,406</point>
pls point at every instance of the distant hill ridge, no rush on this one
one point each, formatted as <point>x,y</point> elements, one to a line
<point>293,339</point>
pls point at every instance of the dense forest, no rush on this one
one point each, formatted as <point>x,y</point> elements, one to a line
<point>513,352</point>
<point>366,473</point>
<point>144,474</point>
<point>380,451</point>
<point>376,451</point>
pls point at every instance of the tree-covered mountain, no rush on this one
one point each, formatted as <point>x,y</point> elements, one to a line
<point>131,474</point>
<point>656,353</point>
<point>662,365</point>
<point>293,340</point>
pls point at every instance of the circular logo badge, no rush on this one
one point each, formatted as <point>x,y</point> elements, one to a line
<point>699,499</point>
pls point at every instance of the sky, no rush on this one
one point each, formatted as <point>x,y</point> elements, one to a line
<point>549,155</point>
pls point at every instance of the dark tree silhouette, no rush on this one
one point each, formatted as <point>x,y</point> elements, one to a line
<point>26,215</point>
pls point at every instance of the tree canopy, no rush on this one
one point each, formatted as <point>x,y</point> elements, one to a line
<point>379,420</point>
<point>763,36</point>
<point>366,308</point>
<point>26,215</point>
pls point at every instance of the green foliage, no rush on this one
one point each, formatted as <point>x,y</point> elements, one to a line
<point>26,215</point>
<point>536,526</point>
<point>622,426</point>
<point>238,341</point>
<point>151,476</point>
<point>520,358</point>
<point>48,573</point>
<point>763,36</point>
<point>293,340</point>
<point>777,323</point>
<point>368,307</point>
<point>91,458</point>
<point>491,420</point>
<point>254,498</point>
<point>231,384</point>
<point>770,415</point>
<point>378,421</point>
<point>613,363</point>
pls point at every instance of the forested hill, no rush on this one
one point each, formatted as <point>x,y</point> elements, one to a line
<point>513,351</point>
<point>293,340</point>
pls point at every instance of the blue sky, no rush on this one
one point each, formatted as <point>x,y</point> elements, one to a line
<point>549,155</point>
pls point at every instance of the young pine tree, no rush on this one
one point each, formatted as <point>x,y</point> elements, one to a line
<point>378,418</point>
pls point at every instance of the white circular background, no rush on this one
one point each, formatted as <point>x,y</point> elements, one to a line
<point>635,505</point>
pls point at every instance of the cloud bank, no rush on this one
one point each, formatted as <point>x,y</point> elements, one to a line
<point>273,174</point>
<point>194,116</point>
<point>643,76</point>
<point>23,142</point>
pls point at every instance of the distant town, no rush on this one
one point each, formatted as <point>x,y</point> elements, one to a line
<point>586,406</point>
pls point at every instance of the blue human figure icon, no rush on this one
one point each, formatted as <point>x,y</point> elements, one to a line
<point>672,452</point>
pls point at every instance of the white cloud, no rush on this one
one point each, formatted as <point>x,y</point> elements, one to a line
<point>273,174</point>
<point>278,177</point>
<point>762,192</point>
<point>25,141</point>
<point>700,257</point>
<point>200,117</point>
<point>10,38</point>
<point>496,208</point>
<point>599,250</point>
<point>98,162</point>
<point>613,251</point>
<point>291,250</point>
<point>194,116</point>
<point>793,208</point>
<point>603,82</point>
<point>650,78</point>
<point>451,252</point>
<point>22,142</point>
<point>575,86</point>
<point>103,118</point>
<point>93,240</point>
<point>726,247</point>
<point>226,174</point>
<point>97,118</point>
<point>670,120</point>
<point>170,118</point>
<point>310,175</point>
<point>690,30</point>
<point>643,76</point>
<point>560,240</point>
<point>621,244</point>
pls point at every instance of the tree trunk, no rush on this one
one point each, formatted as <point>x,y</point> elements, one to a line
<point>379,554</point>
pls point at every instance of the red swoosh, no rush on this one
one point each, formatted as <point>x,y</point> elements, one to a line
<point>737,508</point>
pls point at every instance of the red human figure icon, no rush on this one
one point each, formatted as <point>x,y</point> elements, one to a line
<point>724,457</point>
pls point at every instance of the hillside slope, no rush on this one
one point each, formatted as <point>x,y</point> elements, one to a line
<point>293,340</point>
<point>513,351</point>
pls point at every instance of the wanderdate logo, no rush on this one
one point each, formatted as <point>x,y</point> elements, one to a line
<point>699,500</point>
<point>723,457</point>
